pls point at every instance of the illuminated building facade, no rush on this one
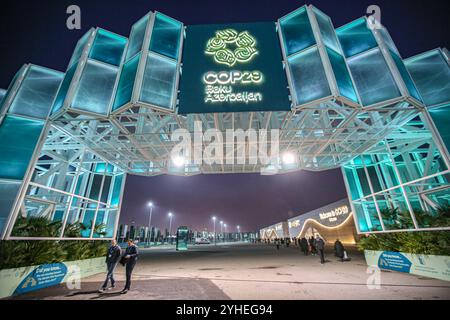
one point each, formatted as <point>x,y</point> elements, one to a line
<point>339,98</point>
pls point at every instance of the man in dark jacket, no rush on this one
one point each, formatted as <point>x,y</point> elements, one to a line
<point>130,257</point>
<point>320,246</point>
<point>304,245</point>
<point>339,249</point>
<point>112,258</point>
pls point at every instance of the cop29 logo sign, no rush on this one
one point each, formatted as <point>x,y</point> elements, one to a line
<point>229,47</point>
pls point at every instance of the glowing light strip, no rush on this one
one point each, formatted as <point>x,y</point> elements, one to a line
<point>328,228</point>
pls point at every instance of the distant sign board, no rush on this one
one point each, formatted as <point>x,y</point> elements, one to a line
<point>233,68</point>
<point>329,216</point>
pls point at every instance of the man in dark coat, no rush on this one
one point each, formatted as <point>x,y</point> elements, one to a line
<point>320,246</point>
<point>112,258</point>
<point>304,245</point>
<point>312,246</point>
<point>339,249</point>
<point>130,257</point>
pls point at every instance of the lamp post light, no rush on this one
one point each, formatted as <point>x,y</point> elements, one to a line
<point>221,229</point>
<point>214,223</point>
<point>150,205</point>
<point>239,232</point>
<point>225,228</point>
<point>170,214</point>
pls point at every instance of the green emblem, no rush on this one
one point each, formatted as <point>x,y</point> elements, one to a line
<point>228,47</point>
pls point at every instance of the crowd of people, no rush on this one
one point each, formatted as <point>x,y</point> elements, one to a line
<point>311,246</point>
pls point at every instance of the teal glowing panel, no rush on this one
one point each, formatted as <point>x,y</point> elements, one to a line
<point>372,77</point>
<point>431,74</point>
<point>63,89</point>
<point>36,93</point>
<point>405,76</point>
<point>356,37</point>
<point>308,76</point>
<point>79,48</point>
<point>18,139</point>
<point>117,191</point>
<point>158,84</point>
<point>327,32</point>
<point>342,76</point>
<point>441,119</point>
<point>137,37</point>
<point>166,36</point>
<point>108,47</point>
<point>95,88</point>
<point>125,87</point>
<point>8,194</point>
<point>297,32</point>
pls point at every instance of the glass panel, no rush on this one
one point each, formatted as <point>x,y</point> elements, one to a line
<point>159,81</point>
<point>326,30</point>
<point>431,74</point>
<point>166,36</point>
<point>297,31</point>
<point>441,119</point>
<point>372,77</point>
<point>94,193</point>
<point>18,139</point>
<point>137,37</point>
<point>96,87</point>
<point>8,193</point>
<point>342,75</point>
<point>64,88</point>
<point>355,37</point>
<point>2,95</point>
<point>126,83</point>
<point>105,189</point>
<point>117,189</point>
<point>308,76</point>
<point>36,93</point>
<point>88,220</point>
<point>388,40</point>
<point>108,47</point>
<point>405,76</point>
<point>79,48</point>
<point>8,92</point>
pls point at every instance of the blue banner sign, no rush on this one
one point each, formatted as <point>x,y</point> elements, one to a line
<point>44,276</point>
<point>394,261</point>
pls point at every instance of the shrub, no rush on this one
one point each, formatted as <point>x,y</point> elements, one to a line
<point>420,242</point>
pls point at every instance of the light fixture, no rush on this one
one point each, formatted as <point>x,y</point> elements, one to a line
<point>178,161</point>
<point>150,204</point>
<point>170,214</point>
<point>289,158</point>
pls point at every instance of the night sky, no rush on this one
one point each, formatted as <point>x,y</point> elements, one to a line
<point>35,32</point>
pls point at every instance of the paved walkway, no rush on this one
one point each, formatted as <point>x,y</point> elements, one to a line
<point>248,271</point>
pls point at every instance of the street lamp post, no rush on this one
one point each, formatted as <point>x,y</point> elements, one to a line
<point>225,227</point>
<point>214,222</point>
<point>221,229</point>
<point>150,204</point>
<point>239,232</point>
<point>170,226</point>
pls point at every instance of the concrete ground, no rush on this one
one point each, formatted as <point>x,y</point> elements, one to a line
<point>250,271</point>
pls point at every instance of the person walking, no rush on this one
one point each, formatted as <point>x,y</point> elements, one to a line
<point>277,241</point>
<point>112,258</point>
<point>311,246</point>
<point>320,246</point>
<point>304,245</point>
<point>129,259</point>
<point>339,250</point>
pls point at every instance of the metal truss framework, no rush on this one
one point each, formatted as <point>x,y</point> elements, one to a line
<point>90,141</point>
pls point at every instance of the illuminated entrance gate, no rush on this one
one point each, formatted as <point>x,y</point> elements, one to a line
<point>339,98</point>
